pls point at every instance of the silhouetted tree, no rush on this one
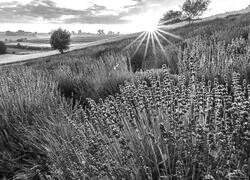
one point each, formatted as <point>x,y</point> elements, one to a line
<point>60,39</point>
<point>100,32</point>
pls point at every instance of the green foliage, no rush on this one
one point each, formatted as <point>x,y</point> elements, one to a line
<point>171,17</point>
<point>60,39</point>
<point>2,47</point>
<point>194,8</point>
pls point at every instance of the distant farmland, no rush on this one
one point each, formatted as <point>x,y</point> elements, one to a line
<point>75,39</point>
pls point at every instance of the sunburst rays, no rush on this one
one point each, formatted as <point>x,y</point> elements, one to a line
<point>152,38</point>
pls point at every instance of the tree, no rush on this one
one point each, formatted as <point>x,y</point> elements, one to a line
<point>111,33</point>
<point>100,32</point>
<point>2,47</point>
<point>171,17</point>
<point>194,8</point>
<point>60,39</point>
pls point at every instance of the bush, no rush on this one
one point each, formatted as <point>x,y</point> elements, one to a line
<point>60,39</point>
<point>22,40</point>
<point>2,47</point>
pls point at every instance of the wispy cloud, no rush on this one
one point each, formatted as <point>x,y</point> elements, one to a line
<point>16,12</point>
<point>48,10</point>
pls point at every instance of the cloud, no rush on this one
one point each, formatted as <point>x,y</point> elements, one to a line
<point>8,4</point>
<point>47,10</point>
<point>102,19</point>
<point>142,6</point>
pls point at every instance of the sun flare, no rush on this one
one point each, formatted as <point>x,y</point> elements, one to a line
<point>151,28</point>
<point>147,22</point>
<point>152,35</point>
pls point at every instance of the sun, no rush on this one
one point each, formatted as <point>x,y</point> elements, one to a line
<point>147,22</point>
<point>152,34</point>
<point>150,27</point>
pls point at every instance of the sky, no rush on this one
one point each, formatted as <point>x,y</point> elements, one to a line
<point>124,16</point>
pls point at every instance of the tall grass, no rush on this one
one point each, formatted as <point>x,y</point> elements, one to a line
<point>214,58</point>
<point>35,103</point>
<point>25,96</point>
<point>84,78</point>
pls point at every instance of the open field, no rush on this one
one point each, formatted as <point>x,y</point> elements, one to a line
<point>14,38</point>
<point>44,38</point>
<point>75,39</point>
<point>17,51</point>
<point>30,44</point>
<point>20,58</point>
<point>40,47</point>
<point>3,37</point>
<point>103,111</point>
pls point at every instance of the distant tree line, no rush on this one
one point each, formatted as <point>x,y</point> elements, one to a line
<point>101,32</point>
<point>20,33</point>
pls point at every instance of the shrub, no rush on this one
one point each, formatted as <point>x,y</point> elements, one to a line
<point>2,47</point>
<point>60,39</point>
<point>22,40</point>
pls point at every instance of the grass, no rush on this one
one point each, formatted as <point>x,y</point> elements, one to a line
<point>75,39</point>
<point>90,114</point>
<point>20,49</point>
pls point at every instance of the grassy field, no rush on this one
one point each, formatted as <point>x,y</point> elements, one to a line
<point>14,38</point>
<point>75,39</point>
<point>40,45</point>
<point>105,112</point>
<point>18,51</point>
